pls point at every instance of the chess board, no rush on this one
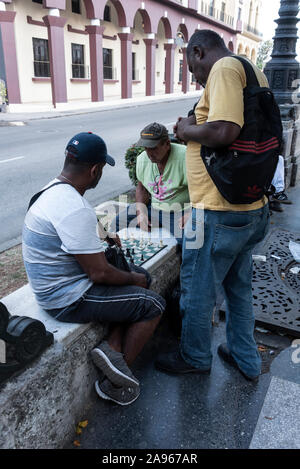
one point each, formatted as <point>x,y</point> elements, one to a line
<point>142,252</point>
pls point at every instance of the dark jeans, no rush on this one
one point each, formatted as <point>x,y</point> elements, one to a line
<point>224,260</point>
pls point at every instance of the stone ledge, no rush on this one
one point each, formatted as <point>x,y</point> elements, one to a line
<point>41,405</point>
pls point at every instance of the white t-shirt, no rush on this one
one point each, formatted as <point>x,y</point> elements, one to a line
<point>59,224</point>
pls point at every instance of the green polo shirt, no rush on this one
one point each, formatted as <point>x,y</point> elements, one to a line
<point>169,191</point>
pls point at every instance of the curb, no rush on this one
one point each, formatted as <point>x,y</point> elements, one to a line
<point>18,118</point>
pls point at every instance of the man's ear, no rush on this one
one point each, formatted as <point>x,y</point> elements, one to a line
<point>95,169</point>
<point>198,52</point>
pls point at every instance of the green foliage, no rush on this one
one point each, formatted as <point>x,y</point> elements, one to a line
<point>263,53</point>
<point>130,161</point>
<point>3,92</point>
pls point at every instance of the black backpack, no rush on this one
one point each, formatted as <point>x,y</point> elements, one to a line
<point>243,172</point>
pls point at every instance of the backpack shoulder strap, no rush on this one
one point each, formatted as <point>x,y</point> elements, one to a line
<point>250,73</point>
<point>38,194</point>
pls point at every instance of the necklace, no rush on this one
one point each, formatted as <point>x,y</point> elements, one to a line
<point>66,179</point>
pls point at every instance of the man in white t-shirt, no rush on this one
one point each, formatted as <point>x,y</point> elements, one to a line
<point>71,278</point>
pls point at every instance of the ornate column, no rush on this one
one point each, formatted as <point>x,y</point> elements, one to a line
<point>150,65</point>
<point>55,25</point>
<point>126,62</point>
<point>283,69</point>
<point>96,59</point>
<point>185,73</point>
<point>170,52</point>
<point>9,54</point>
<point>283,73</point>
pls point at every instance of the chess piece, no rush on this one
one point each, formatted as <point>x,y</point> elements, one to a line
<point>161,243</point>
<point>127,252</point>
<point>132,252</point>
<point>142,258</point>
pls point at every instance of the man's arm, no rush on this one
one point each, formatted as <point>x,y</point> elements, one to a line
<point>211,134</point>
<point>142,197</point>
<point>100,271</point>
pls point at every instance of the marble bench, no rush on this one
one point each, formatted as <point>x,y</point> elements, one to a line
<point>41,405</point>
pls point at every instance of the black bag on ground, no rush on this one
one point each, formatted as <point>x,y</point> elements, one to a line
<point>243,172</point>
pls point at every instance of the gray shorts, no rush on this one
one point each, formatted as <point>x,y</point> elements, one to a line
<point>111,303</point>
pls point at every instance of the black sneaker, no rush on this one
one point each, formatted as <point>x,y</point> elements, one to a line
<point>121,395</point>
<point>224,352</point>
<point>275,206</point>
<point>282,198</point>
<point>172,362</point>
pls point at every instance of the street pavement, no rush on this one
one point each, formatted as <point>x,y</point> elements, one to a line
<point>32,154</point>
<point>217,411</point>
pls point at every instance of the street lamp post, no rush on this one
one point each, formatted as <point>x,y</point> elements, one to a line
<point>284,69</point>
<point>283,73</point>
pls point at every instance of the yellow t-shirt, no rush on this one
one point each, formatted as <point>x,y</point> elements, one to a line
<point>222,100</point>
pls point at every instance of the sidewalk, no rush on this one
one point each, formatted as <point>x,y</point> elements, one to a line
<point>19,113</point>
<point>222,410</point>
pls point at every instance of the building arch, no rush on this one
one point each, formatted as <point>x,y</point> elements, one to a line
<point>247,52</point>
<point>146,20</point>
<point>253,56</point>
<point>231,46</point>
<point>240,49</point>
<point>122,19</point>
<point>167,27</point>
<point>183,29</point>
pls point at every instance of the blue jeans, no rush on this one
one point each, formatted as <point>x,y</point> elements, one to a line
<point>224,262</point>
<point>156,217</point>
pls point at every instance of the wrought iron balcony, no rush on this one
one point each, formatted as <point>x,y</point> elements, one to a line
<point>252,30</point>
<point>220,15</point>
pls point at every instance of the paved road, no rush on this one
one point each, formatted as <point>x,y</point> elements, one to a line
<point>32,155</point>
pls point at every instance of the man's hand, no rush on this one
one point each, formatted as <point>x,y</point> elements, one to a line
<point>143,222</point>
<point>181,125</point>
<point>116,239</point>
<point>183,220</point>
<point>139,280</point>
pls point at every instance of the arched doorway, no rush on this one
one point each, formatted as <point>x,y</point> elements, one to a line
<point>230,46</point>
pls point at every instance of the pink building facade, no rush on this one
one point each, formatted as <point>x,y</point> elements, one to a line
<point>39,32</point>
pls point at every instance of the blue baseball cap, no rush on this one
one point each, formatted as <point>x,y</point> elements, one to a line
<point>89,148</point>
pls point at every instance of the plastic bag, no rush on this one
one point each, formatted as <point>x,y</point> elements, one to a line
<point>295,250</point>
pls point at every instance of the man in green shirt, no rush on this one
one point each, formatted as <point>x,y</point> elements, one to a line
<point>162,190</point>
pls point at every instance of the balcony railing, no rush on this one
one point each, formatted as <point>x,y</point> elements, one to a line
<point>109,73</point>
<point>252,30</point>
<point>220,15</point>
<point>135,75</point>
<point>80,71</point>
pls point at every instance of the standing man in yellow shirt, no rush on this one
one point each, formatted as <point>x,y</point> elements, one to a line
<point>230,231</point>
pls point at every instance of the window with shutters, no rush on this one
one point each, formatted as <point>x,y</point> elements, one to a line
<point>78,69</point>
<point>76,6</point>
<point>41,57</point>
<point>107,64</point>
